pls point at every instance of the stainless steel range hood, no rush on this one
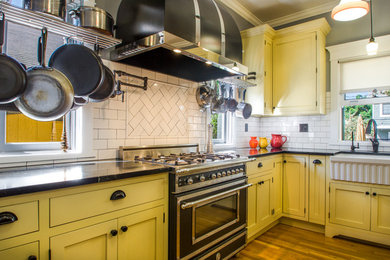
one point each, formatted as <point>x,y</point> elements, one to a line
<point>196,40</point>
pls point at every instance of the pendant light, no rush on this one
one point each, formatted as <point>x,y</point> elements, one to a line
<point>348,10</point>
<point>372,46</point>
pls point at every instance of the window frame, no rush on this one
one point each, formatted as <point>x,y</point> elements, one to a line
<point>343,53</point>
<point>227,134</point>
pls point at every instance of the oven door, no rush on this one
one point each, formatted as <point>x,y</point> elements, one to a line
<point>209,216</point>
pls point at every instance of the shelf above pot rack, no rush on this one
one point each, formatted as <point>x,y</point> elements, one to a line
<point>56,25</point>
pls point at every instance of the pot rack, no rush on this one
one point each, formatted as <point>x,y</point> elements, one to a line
<point>56,25</point>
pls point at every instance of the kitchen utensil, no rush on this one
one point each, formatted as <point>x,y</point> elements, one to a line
<point>263,142</point>
<point>49,94</point>
<point>13,78</point>
<point>219,105</point>
<point>231,103</point>
<point>253,142</point>
<point>243,109</point>
<point>94,18</point>
<point>203,96</point>
<point>81,65</point>
<point>64,136</point>
<point>106,89</point>
<point>277,140</point>
<point>52,7</point>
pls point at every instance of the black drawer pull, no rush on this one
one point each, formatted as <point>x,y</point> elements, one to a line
<point>374,194</point>
<point>261,182</point>
<point>118,195</point>
<point>7,218</point>
<point>124,228</point>
<point>260,165</point>
<point>114,232</point>
<point>32,257</point>
<point>316,161</point>
<point>367,193</point>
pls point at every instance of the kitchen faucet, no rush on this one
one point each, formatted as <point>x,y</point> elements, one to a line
<point>353,147</point>
<point>374,141</point>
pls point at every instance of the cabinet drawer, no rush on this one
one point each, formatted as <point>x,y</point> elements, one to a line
<point>22,252</point>
<point>18,219</point>
<point>74,207</point>
<point>259,165</point>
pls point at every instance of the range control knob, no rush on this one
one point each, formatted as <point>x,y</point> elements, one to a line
<point>223,173</point>
<point>202,178</point>
<point>233,171</point>
<point>190,181</point>
<point>229,172</point>
<point>241,169</point>
<point>219,174</point>
<point>213,176</point>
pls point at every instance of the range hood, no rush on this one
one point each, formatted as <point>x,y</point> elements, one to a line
<point>196,40</point>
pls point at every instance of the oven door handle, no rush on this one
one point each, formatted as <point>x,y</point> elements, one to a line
<point>193,203</point>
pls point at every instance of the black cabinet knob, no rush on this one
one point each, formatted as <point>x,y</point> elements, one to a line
<point>117,195</point>
<point>114,232</point>
<point>367,193</point>
<point>7,218</point>
<point>32,257</point>
<point>316,161</point>
<point>260,165</point>
<point>124,228</point>
<point>374,194</point>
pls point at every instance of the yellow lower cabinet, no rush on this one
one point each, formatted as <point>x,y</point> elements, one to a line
<point>350,205</point>
<point>98,242</point>
<point>277,188</point>
<point>317,185</point>
<point>141,235</point>
<point>23,252</point>
<point>295,179</point>
<point>380,210</point>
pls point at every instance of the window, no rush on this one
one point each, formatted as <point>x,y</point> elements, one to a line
<point>221,128</point>
<point>359,107</point>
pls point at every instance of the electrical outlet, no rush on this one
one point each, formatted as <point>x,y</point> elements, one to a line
<point>246,127</point>
<point>303,128</point>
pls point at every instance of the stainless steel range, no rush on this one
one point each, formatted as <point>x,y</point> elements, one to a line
<point>208,199</point>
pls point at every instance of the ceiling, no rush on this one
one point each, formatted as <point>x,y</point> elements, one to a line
<point>276,12</point>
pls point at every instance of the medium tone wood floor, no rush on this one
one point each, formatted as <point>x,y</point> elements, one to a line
<point>288,243</point>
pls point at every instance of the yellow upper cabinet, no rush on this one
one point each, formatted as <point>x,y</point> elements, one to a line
<point>299,69</point>
<point>257,55</point>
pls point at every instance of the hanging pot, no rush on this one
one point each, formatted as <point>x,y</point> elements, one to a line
<point>106,89</point>
<point>13,78</point>
<point>243,109</point>
<point>49,94</point>
<point>203,96</point>
<point>94,18</point>
<point>53,7</point>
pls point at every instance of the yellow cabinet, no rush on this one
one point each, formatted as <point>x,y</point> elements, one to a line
<point>317,173</point>
<point>257,56</point>
<point>299,69</point>
<point>28,251</point>
<point>264,196</point>
<point>295,179</point>
<point>141,235</point>
<point>93,242</point>
<point>350,205</point>
<point>380,210</point>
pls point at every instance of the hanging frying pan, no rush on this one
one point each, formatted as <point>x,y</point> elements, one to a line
<point>81,65</point>
<point>49,94</point>
<point>13,77</point>
<point>106,89</point>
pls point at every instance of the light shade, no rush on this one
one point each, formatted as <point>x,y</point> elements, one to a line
<point>348,10</point>
<point>372,47</point>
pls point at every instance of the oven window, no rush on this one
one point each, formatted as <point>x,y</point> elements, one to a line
<point>215,214</point>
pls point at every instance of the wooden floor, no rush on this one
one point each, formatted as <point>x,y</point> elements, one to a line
<point>286,242</point>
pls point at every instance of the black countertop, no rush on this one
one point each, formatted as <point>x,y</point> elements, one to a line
<point>21,180</point>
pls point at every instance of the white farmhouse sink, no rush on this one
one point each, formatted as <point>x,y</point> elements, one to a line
<point>362,168</point>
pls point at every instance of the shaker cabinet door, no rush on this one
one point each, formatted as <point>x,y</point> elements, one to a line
<point>98,242</point>
<point>23,252</point>
<point>141,235</point>
<point>380,210</point>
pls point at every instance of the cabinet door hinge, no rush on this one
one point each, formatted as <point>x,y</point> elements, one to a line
<point>316,36</point>
<point>265,42</point>
<point>274,164</point>
<point>305,164</point>
<point>329,189</point>
<point>304,210</point>
<point>265,104</point>
<point>328,214</point>
<point>49,254</point>
<point>164,217</point>
<point>272,179</point>
<point>316,103</point>
<point>272,211</point>
<point>265,74</point>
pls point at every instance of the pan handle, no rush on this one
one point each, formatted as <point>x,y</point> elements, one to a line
<point>243,95</point>
<point>2,18</point>
<point>42,42</point>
